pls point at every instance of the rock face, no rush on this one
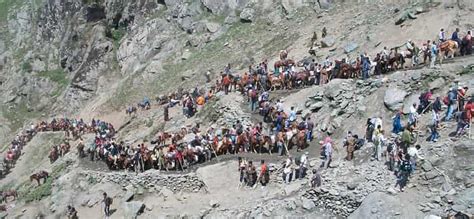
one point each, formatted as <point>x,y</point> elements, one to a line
<point>381,205</point>
<point>393,98</point>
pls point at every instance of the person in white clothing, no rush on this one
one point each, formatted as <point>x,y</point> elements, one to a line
<point>442,35</point>
<point>303,165</point>
<point>414,155</point>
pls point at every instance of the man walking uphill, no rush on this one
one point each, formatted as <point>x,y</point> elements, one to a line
<point>107,202</point>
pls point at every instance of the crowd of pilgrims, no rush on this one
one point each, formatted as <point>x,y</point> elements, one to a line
<point>73,129</point>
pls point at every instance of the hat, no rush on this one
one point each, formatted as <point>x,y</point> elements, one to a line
<point>306,153</point>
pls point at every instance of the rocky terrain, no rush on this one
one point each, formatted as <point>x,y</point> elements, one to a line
<point>93,58</point>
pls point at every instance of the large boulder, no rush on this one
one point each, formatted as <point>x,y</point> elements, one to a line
<point>247,15</point>
<point>334,88</point>
<point>381,205</point>
<point>437,84</point>
<point>133,209</point>
<point>350,47</point>
<point>307,204</point>
<point>328,41</point>
<point>212,27</point>
<point>393,98</point>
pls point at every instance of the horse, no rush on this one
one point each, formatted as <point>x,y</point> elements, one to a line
<point>301,140</point>
<point>275,82</point>
<point>394,59</point>
<point>301,78</point>
<point>447,48</point>
<point>8,193</point>
<point>64,149</point>
<point>53,154</point>
<point>38,176</point>
<point>80,150</point>
<point>241,143</point>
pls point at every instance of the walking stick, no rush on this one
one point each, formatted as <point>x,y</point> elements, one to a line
<point>427,107</point>
<point>213,151</point>
<point>256,182</point>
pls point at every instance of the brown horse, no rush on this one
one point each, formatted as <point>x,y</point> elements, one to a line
<point>8,193</point>
<point>38,176</point>
<point>301,140</point>
<point>64,149</point>
<point>80,149</point>
<point>53,154</point>
<point>241,143</point>
<point>448,49</point>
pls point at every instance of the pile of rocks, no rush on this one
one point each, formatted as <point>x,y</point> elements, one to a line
<point>339,204</point>
<point>343,99</point>
<point>229,107</point>
<point>151,180</point>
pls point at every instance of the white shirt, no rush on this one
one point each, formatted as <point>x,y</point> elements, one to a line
<point>279,106</point>
<point>303,160</point>
<point>441,35</point>
<point>378,122</point>
<point>413,152</point>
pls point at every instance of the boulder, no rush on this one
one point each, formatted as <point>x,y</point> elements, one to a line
<point>292,188</point>
<point>402,18</point>
<point>328,41</point>
<point>381,205</point>
<point>393,98</point>
<point>212,27</point>
<point>307,204</point>
<point>247,15</point>
<point>133,209</point>
<point>128,196</point>
<point>214,203</point>
<point>334,88</point>
<point>316,106</point>
<point>437,84</point>
<point>350,47</point>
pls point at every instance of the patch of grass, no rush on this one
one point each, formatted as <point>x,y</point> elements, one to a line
<point>28,192</point>
<point>59,77</point>
<point>117,35</point>
<point>26,66</point>
<point>18,114</point>
<point>5,6</point>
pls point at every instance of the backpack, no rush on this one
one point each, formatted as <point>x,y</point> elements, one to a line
<point>253,94</point>
<point>446,100</point>
<point>423,97</point>
<point>109,201</point>
<point>406,166</point>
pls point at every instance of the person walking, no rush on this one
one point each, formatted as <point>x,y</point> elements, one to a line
<point>327,152</point>
<point>404,173</point>
<point>434,127</point>
<point>452,96</point>
<point>350,144</point>
<point>107,202</point>
<point>264,174</point>
<point>303,165</point>
<point>316,179</point>
<point>434,53</point>
<point>309,129</point>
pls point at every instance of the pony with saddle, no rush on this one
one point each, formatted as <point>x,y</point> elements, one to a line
<point>38,176</point>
